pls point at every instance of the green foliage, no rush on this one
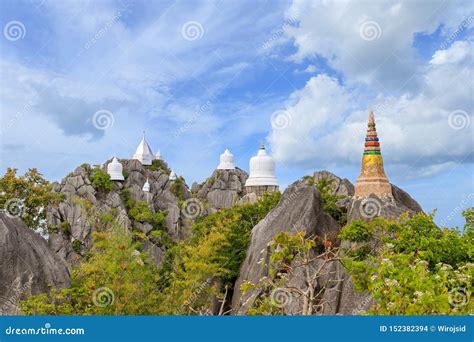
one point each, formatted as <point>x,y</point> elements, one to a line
<point>329,198</point>
<point>101,180</point>
<point>112,263</point>
<point>158,165</point>
<point>127,198</point>
<point>76,246</point>
<point>177,187</point>
<point>216,252</point>
<point>141,212</point>
<point>27,197</point>
<point>412,267</point>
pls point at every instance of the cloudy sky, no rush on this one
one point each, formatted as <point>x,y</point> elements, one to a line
<point>80,81</point>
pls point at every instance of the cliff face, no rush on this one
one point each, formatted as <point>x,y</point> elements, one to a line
<point>73,223</point>
<point>222,190</point>
<point>27,265</point>
<point>301,209</point>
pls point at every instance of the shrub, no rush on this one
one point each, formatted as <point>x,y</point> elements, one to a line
<point>101,180</point>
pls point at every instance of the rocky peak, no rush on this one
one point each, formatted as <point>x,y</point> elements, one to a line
<point>223,189</point>
<point>27,265</point>
<point>71,225</point>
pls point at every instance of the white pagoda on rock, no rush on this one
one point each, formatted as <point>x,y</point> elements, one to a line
<point>146,186</point>
<point>158,155</point>
<point>226,161</point>
<point>114,169</point>
<point>173,176</point>
<point>144,153</point>
<point>262,174</point>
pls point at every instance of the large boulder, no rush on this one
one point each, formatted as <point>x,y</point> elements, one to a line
<point>222,190</point>
<point>27,265</point>
<point>388,207</point>
<point>300,209</point>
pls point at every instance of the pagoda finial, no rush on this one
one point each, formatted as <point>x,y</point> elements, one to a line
<point>372,179</point>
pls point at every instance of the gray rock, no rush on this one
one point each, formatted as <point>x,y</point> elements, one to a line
<point>27,265</point>
<point>299,209</point>
<point>390,208</point>
<point>222,190</point>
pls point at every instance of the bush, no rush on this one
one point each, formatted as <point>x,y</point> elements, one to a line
<point>412,267</point>
<point>158,165</point>
<point>101,180</point>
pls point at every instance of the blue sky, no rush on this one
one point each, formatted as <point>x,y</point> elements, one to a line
<point>202,76</point>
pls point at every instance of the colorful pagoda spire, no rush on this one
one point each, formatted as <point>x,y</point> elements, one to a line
<point>372,179</point>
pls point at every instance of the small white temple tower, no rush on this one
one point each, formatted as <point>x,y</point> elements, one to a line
<point>146,186</point>
<point>114,169</point>
<point>262,174</point>
<point>173,176</point>
<point>143,152</point>
<point>226,161</point>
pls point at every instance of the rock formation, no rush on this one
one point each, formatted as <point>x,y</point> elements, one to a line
<point>72,225</point>
<point>300,209</point>
<point>222,190</point>
<point>27,265</point>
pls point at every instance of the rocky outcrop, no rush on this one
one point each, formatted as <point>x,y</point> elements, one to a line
<point>222,190</point>
<point>388,207</point>
<point>27,265</point>
<point>301,209</point>
<point>75,218</point>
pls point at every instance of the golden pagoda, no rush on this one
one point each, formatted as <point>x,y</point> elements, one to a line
<point>372,179</point>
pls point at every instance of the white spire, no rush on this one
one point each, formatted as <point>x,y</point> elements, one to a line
<point>173,175</point>
<point>143,153</point>
<point>226,161</point>
<point>262,169</point>
<point>114,169</point>
<point>158,155</point>
<point>146,186</point>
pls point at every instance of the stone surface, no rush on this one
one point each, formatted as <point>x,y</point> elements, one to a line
<point>388,206</point>
<point>300,209</point>
<point>222,190</point>
<point>27,265</point>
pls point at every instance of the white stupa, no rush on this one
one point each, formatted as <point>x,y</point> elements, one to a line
<point>143,152</point>
<point>114,169</point>
<point>158,155</point>
<point>226,161</point>
<point>173,175</point>
<point>262,173</point>
<point>146,186</point>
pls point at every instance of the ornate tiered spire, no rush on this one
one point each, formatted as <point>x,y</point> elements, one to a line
<point>372,179</point>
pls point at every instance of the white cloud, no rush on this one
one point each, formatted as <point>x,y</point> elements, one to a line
<point>415,130</point>
<point>457,52</point>
<point>372,41</point>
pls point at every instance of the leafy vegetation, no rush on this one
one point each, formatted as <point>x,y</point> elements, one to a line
<point>209,263</point>
<point>113,280</point>
<point>158,165</point>
<point>101,180</point>
<point>177,187</point>
<point>412,267</point>
<point>27,197</point>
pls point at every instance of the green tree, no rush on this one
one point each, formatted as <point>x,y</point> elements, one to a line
<point>27,197</point>
<point>208,265</point>
<point>113,280</point>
